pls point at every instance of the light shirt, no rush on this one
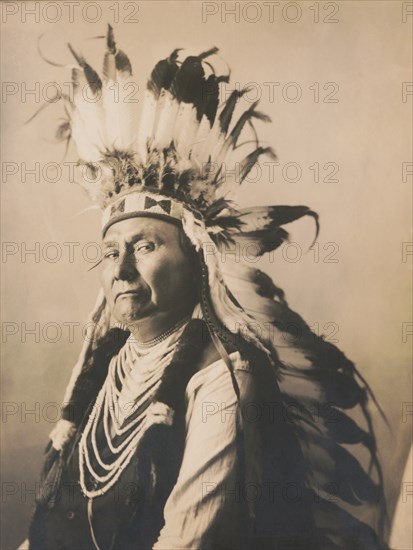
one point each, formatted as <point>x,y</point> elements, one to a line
<point>207,484</point>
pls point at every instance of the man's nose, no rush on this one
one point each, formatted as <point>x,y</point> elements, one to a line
<point>125,267</point>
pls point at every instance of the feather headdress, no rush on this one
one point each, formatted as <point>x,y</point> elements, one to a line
<point>179,146</point>
<point>171,164</point>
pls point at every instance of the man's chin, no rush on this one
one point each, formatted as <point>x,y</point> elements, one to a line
<point>130,315</point>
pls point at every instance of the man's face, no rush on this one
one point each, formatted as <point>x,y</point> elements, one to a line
<point>145,272</point>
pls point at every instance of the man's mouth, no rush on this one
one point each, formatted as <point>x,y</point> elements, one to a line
<point>138,293</point>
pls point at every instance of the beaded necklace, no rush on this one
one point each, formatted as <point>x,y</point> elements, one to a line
<point>125,408</point>
<point>150,343</point>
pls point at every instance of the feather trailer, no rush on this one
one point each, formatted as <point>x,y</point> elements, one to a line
<point>325,401</point>
<point>226,307</point>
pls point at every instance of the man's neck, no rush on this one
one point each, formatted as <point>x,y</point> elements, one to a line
<point>153,327</point>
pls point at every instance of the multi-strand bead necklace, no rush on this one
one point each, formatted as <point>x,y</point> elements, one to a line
<point>124,409</point>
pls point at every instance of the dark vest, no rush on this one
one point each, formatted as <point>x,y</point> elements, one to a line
<point>131,514</point>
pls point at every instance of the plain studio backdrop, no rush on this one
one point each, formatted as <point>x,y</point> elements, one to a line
<point>338,96</point>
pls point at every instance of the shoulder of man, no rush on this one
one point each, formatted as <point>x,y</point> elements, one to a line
<point>242,369</point>
<point>209,355</point>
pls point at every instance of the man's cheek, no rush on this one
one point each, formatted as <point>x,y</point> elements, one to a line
<point>167,283</point>
<point>161,283</point>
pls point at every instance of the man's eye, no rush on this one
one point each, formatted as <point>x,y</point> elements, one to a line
<point>144,248</point>
<point>111,254</point>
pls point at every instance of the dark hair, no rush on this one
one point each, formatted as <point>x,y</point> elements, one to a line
<point>185,243</point>
<point>189,250</point>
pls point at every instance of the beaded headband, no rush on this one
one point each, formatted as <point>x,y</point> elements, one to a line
<point>140,204</point>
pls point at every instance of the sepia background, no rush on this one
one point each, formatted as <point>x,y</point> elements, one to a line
<point>338,95</point>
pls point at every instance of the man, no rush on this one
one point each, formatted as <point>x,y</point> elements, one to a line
<point>185,425</point>
<point>149,283</point>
